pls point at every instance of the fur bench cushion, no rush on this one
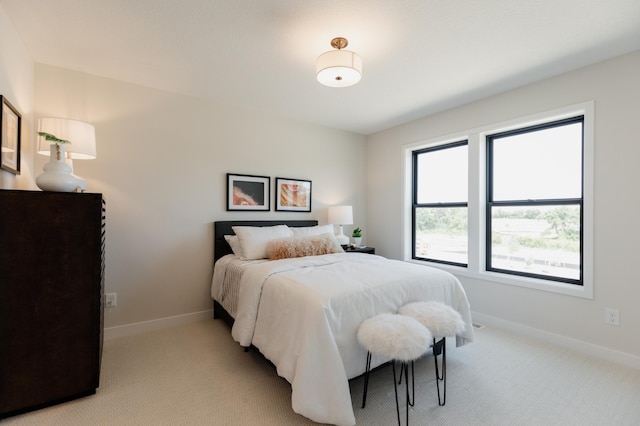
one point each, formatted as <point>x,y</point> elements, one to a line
<point>394,337</point>
<point>313,245</point>
<point>441,319</point>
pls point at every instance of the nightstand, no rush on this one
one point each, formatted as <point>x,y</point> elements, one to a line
<point>368,250</point>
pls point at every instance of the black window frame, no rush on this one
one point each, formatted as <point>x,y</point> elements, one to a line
<point>490,203</point>
<point>415,205</point>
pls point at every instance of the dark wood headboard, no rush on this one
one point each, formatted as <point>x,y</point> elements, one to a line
<point>222,228</point>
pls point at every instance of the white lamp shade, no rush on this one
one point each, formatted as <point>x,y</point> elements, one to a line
<point>339,68</point>
<point>341,215</point>
<point>81,135</point>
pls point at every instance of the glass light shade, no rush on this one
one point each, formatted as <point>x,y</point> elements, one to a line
<point>339,68</point>
<point>81,135</point>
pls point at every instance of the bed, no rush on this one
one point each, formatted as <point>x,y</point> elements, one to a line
<point>302,313</point>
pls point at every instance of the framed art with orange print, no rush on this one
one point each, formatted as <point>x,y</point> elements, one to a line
<point>247,192</point>
<point>293,195</point>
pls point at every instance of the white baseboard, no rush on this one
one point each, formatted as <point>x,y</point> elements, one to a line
<point>601,352</point>
<point>157,324</point>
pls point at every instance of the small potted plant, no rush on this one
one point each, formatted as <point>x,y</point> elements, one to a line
<point>55,140</point>
<point>357,237</point>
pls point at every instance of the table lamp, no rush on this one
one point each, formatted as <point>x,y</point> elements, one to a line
<point>78,142</point>
<point>341,215</point>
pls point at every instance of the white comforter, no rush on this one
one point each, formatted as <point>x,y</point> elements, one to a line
<point>303,315</point>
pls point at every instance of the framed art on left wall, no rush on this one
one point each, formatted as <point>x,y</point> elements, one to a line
<point>10,131</point>
<point>247,192</point>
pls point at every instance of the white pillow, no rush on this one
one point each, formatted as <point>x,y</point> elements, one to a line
<point>254,239</point>
<point>307,231</point>
<point>234,243</point>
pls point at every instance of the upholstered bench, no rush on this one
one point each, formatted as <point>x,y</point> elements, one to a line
<point>397,338</point>
<point>442,321</point>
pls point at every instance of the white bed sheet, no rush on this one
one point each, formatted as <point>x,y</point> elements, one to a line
<point>303,315</point>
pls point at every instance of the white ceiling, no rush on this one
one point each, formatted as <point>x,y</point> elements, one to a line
<point>419,56</point>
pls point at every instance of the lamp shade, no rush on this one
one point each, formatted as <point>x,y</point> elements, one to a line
<point>339,68</point>
<point>341,215</point>
<point>81,135</point>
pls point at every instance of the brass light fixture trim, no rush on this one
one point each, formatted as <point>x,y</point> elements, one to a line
<point>339,68</point>
<point>339,43</point>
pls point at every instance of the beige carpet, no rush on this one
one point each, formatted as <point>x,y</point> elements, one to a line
<point>196,375</point>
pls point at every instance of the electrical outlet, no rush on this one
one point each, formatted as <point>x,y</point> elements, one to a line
<point>111,300</point>
<point>612,316</point>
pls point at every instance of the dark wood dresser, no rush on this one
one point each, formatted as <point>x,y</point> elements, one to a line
<point>51,296</point>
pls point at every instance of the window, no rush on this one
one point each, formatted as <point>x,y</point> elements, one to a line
<point>508,202</point>
<point>534,201</point>
<point>440,204</point>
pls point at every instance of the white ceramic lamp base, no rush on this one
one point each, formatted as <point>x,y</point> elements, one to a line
<point>57,173</point>
<point>342,239</point>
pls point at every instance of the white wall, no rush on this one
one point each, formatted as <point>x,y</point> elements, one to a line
<point>614,86</point>
<point>16,84</point>
<point>162,164</point>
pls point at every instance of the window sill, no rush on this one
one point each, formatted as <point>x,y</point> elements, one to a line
<point>583,291</point>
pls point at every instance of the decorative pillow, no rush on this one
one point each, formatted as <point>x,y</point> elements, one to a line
<point>254,239</point>
<point>305,231</point>
<point>234,243</point>
<point>313,245</point>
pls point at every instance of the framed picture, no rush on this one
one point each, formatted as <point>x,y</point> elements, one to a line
<point>293,195</point>
<point>10,131</point>
<point>247,192</point>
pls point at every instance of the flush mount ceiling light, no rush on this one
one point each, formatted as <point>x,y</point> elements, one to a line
<point>339,68</point>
